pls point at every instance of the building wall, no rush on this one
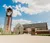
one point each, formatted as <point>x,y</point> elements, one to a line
<point>38,26</point>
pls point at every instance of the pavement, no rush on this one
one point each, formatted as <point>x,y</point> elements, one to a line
<point>24,38</point>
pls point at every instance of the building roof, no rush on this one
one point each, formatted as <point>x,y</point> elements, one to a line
<point>36,25</point>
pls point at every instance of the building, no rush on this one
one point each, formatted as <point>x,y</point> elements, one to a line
<point>18,29</point>
<point>8,21</point>
<point>37,28</point>
<point>43,32</point>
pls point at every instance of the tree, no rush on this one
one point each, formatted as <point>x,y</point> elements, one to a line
<point>1,30</point>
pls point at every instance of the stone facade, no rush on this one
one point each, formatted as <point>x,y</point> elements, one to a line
<point>18,29</point>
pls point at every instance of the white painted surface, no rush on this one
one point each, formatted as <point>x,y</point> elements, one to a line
<point>26,38</point>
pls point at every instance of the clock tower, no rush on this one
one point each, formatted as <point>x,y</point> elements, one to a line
<point>8,21</point>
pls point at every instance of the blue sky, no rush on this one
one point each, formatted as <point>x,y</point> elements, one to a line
<point>25,11</point>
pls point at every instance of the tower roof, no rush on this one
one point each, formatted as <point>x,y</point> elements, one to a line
<point>9,9</point>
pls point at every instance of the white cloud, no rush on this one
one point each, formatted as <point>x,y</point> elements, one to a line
<point>21,21</point>
<point>34,6</point>
<point>48,27</point>
<point>22,1</point>
<point>15,11</point>
<point>41,2</point>
<point>5,6</point>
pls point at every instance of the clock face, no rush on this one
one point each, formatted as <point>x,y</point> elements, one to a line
<point>9,13</point>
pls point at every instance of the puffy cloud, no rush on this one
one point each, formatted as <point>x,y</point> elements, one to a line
<point>15,11</point>
<point>39,2</point>
<point>34,6</point>
<point>23,1</point>
<point>48,27</point>
<point>42,2</point>
<point>21,21</point>
<point>5,6</point>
